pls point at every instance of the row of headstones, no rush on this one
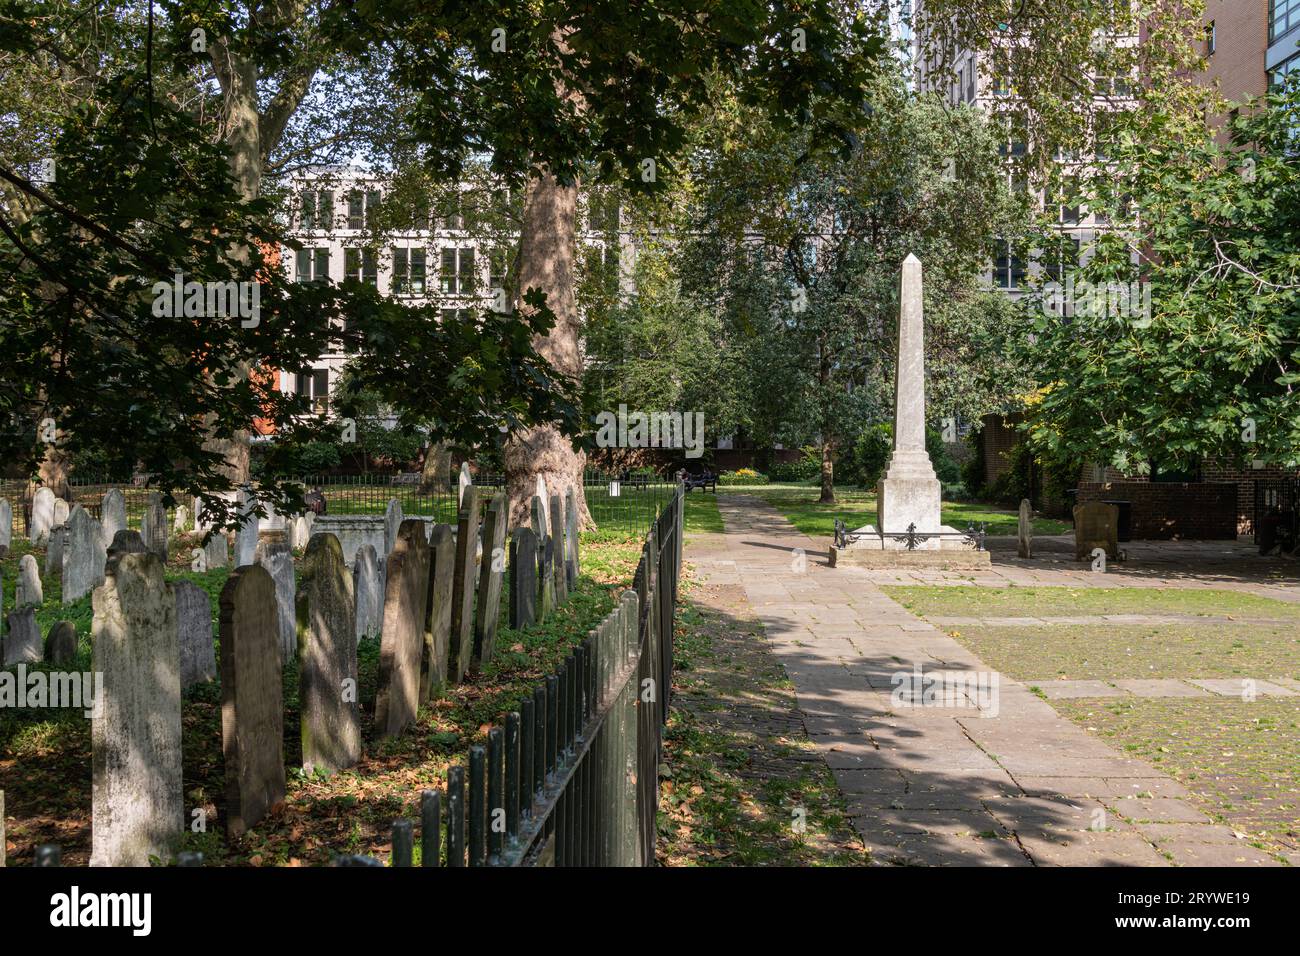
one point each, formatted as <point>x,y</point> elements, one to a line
<point>429,637</point>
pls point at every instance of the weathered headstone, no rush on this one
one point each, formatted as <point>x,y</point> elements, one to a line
<point>463,482</point>
<point>406,594</point>
<point>153,528</point>
<point>437,626</point>
<point>125,541</point>
<point>327,650</point>
<point>217,551</point>
<point>42,517</point>
<point>246,536</point>
<point>299,530</point>
<point>61,511</point>
<point>369,592</point>
<point>557,554</point>
<point>22,637</point>
<point>252,706</point>
<point>137,808</point>
<point>1025,530</point>
<point>276,557</point>
<point>84,555</point>
<point>523,578</point>
<point>28,591</point>
<point>181,521</point>
<point>61,643</point>
<point>194,634</point>
<point>571,538</point>
<point>462,606</point>
<point>545,579</point>
<point>492,569</point>
<point>1096,525</point>
<point>54,544</point>
<point>112,514</point>
<point>6,526</point>
<point>392,521</point>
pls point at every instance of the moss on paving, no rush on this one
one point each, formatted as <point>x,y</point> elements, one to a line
<point>1065,601</point>
<point>1240,760</point>
<point>740,778</point>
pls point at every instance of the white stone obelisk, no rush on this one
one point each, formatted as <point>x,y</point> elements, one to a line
<point>908,494</point>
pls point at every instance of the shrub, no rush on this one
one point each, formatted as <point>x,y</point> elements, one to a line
<point>742,476</point>
<point>805,469</point>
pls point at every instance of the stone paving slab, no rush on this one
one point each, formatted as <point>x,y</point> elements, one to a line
<point>944,786</point>
<point>1069,689</point>
<point>1236,687</point>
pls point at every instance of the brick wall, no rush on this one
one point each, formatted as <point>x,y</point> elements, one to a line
<point>998,435</point>
<point>1241,31</point>
<point>1164,511</point>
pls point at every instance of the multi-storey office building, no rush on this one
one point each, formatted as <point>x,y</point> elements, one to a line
<point>1283,54</point>
<point>440,258</point>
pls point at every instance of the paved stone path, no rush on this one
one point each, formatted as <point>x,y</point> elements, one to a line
<point>944,785</point>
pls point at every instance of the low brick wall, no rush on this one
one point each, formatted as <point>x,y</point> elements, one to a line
<point>1163,511</point>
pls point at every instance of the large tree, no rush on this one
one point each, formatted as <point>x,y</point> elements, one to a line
<point>1180,337</point>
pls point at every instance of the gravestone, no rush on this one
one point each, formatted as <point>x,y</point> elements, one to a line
<point>136,799</point>
<point>299,530</point>
<point>276,557</point>
<point>369,592</point>
<point>61,643</point>
<point>406,594</point>
<point>557,552</point>
<point>181,523</point>
<point>1096,525</point>
<point>463,482</point>
<point>571,538</point>
<point>112,514</point>
<point>437,627</point>
<point>153,527</point>
<point>492,568</point>
<point>246,536</point>
<point>84,555</point>
<point>523,578</point>
<point>6,526</point>
<point>54,544</point>
<point>61,511</point>
<point>327,650</point>
<point>125,541</point>
<point>217,551</point>
<point>392,521</point>
<point>38,531</point>
<point>28,591</point>
<point>194,634</point>
<point>1024,531</point>
<point>22,642</point>
<point>252,706</point>
<point>462,606</point>
<point>545,579</point>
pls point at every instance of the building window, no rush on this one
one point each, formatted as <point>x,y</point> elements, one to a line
<point>314,386</point>
<point>1211,39</point>
<point>971,73</point>
<point>1008,267</point>
<point>455,315</point>
<point>498,267</point>
<point>312,265</point>
<point>457,274</point>
<point>360,264</point>
<point>1283,17</point>
<point>362,207</point>
<point>453,217</point>
<point>316,209</point>
<point>408,271</point>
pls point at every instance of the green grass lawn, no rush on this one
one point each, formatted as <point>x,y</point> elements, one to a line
<point>702,516</point>
<point>856,507</point>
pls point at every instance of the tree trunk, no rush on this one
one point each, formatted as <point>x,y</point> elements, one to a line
<point>547,247</point>
<point>54,471</point>
<point>828,474</point>
<point>436,473</point>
